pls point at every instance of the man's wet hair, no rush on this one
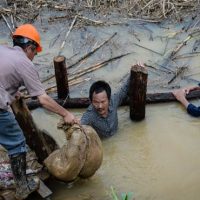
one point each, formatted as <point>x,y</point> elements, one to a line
<point>100,86</point>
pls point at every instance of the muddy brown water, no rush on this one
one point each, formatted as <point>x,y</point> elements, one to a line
<point>157,158</point>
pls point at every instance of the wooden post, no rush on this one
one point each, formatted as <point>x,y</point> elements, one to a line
<point>42,144</point>
<point>61,77</point>
<point>138,87</point>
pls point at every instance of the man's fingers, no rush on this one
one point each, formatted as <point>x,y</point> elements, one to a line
<point>187,91</point>
<point>76,121</point>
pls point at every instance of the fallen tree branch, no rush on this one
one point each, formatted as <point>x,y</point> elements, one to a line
<point>182,44</point>
<point>147,49</point>
<point>91,52</point>
<point>187,55</point>
<point>94,67</point>
<point>84,57</point>
<point>178,72</point>
<point>63,44</point>
<point>91,20</point>
<point>178,48</point>
<point>90,69</point>
<point>8,25</point>
<point>71,83</point>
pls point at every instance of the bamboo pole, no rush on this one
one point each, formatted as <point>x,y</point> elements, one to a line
<point>147,49</point>
<point>67,34</point>
<point>8,25</point>
<point>85,56</point>
<point>94,67</point>
<point>93,51</point>
<point>179,71</point>
<point>84,71</point>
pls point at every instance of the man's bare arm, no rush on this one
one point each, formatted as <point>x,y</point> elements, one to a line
<point>51,105</point>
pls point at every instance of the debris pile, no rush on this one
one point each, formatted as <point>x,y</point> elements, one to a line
<point>156,9</point>
<point>7,185</point>
<point>27,11</point>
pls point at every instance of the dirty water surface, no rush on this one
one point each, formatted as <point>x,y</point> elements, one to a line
<point>157,158</point>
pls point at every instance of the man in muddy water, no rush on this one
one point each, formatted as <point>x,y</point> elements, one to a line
<point>102,112</point>
<point>180,95</point>
<point>17,69</point>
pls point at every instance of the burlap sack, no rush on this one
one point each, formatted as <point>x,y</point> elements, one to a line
<point>66,162</point>
<point>81,155</point>
<point>94,153</point>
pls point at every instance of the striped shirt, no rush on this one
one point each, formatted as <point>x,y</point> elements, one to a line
<point>16,70</point>
<point>106,126</point>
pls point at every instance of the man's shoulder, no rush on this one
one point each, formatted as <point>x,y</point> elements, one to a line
<point>88,116</point>
<point>112,100</point>
<point>90,109</point>
<point>5,49</point>
<point>14,49</point>
<point>14,54</point>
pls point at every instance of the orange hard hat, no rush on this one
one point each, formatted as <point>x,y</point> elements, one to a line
<point>30,32</point>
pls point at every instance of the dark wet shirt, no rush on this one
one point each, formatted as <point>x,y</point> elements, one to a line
<point>193,110</point>
<point>106,126</point>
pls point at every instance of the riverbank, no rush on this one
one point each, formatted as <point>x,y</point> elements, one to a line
<point>168,46</point>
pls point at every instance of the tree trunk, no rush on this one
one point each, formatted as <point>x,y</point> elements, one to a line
<point>61,77</point>
<point>41,143</point>
<point>137,91</point>
<point>84,102</point>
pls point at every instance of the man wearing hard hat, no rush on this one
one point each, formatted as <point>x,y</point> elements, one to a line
<point>17,69</point>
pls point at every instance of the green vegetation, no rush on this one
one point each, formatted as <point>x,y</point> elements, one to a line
<point>124,196</point>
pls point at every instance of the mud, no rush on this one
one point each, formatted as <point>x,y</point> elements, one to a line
<point>157,158</point>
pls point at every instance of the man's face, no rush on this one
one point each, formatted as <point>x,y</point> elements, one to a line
<point>101,103</point>
<point>31,52</point>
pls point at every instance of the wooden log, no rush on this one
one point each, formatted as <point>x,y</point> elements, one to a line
<point>61,77</point>
<point>137,89</point>
<point>69,103</point>
<point>42,144</point>
<point>84,102</point>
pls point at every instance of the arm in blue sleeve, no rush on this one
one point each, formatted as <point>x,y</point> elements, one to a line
<point>85,119</point>
<point>122,93</point>
<point>193,110</point>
